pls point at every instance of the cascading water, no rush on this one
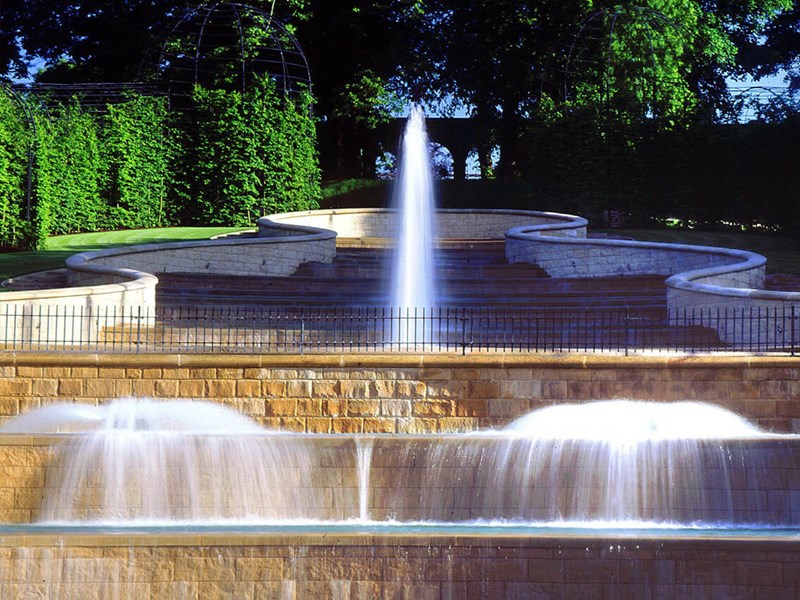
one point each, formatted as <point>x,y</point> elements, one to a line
<point>363,464</point>
<point>612,464</point>
<point>412,284</point>
<point>181,461</point>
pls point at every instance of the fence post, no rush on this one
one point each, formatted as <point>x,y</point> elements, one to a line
<point>794,330</point>
<point>303,331</point>
<point>627,329</point>
<point>464,334</point>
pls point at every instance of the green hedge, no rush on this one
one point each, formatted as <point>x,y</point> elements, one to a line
<point>246,155</point>
<point>69,173</point>
<point>138,151</point>
<point>230,159</point>
<point>705,175</point>
<point>14,142</point>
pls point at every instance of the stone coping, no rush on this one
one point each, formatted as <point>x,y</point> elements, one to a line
<point>83,262</point>
<point>571,223</point>
<point>123,281</point>
<point>136,281</point>
<point>560,222</point>
<point>394,360</point>
<point>741,260</point>
<point>543,538</point>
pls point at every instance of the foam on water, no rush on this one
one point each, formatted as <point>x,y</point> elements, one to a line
<point>628,421</point>
<point>59,417</point>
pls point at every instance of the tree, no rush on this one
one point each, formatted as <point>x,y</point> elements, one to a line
<point>498,57</point>
<point>12,62</point>
<point>93,40</point>
<point>776,49</point>
<point>355,50</point>
<point>490,57</point>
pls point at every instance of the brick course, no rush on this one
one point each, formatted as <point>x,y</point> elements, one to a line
<point>409,392</point>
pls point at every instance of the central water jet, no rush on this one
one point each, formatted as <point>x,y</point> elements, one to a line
<point>413,291</point>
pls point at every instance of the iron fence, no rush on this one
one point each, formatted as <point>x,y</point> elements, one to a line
<point>371,329</point>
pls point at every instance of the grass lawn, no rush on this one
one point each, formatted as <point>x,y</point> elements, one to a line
<point>60,247</point>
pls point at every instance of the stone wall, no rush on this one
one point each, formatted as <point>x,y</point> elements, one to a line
<point>403,393</point>
<point>111,285</point>
<point>703,283</point>
<point>568,257</point>
<point>331,566</point>
<point>451,224</point>
<point>273,257</point>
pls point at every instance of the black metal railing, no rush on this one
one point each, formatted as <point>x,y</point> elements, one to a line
<point>370,329</point>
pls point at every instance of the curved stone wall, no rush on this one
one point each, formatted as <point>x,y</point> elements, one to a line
<point>110,284</point>
<point>452,224</point>
<point>703,282</point>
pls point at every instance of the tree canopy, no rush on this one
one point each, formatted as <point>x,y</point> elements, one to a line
<point>506,62</point>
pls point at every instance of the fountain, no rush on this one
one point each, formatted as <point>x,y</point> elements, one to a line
<point>413,291</point>
<point>187,499</point>
<point>146,461</point>
<point>163,483</point>
<point>630,464</point>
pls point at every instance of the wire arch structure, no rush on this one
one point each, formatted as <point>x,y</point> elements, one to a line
<point>227,45</point>
<point>761,103</point>
<point>621,59</point>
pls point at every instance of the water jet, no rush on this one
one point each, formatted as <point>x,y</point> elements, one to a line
<point>413,290</point>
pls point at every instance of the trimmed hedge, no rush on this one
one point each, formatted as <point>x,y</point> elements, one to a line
<point>233,158</point>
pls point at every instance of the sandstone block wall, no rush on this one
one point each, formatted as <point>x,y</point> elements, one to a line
<point>402,393</point>
<point>443,567</point>
<point>412,479</point>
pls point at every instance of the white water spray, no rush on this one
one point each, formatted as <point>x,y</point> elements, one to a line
<point>363,464</point>
<point>412,290</point>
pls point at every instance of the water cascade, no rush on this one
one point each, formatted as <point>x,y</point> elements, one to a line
<point>612,463</point>
<point>169,462</point>
<point>412,281</point>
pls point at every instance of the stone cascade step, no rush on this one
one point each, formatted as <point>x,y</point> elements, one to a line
<point>357,277</point>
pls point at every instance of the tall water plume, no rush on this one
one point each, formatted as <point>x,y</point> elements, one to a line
<point>412,283</point>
